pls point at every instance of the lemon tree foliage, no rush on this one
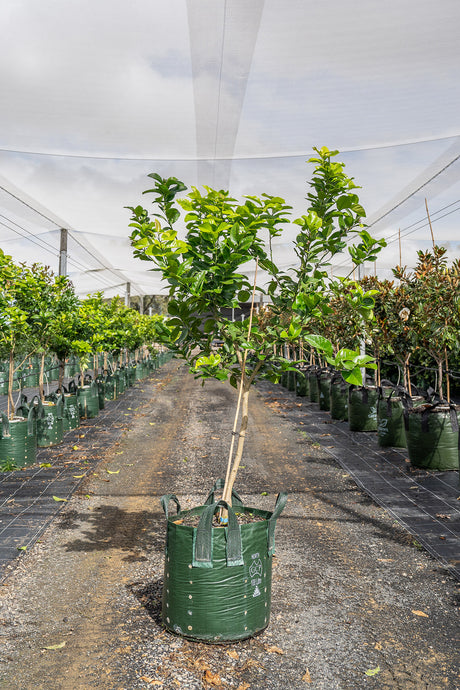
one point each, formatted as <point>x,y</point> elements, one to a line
<point>224,236</point>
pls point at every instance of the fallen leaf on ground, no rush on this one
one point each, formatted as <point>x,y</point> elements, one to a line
<point>243,686</point>
<point>373,671</point>
<point>386,560</point>
<point>56,498</point>
<point>45,464</point>
<point>273,649</point>
<point>307,677</point>
<point>78,476</point>
<point>212,678</point>
<point>231,653</point>
<point>420,613</point>
<point>151,681</point>
<point>112,471</point>
<point>55,646</point>
<point>442,516</point>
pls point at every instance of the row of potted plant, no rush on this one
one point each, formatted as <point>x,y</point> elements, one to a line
<point>40,424</point>
<point>417,314</point>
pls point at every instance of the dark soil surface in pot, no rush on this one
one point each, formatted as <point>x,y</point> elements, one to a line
<point>354,603</point>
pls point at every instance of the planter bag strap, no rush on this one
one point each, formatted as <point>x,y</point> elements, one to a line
<point>281,501</point>
<point>37,405</point>
<point>30,421</point>
<point>164,500</point>
<point>220,483</point>
<point>60,402</point>
<point>5,425</point>
<point>72,387</point>
<point>365,395</point>
<point>389,401</point>
<point>202,538</point>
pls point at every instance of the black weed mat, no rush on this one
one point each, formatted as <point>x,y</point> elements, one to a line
<point>31,497</point>
<point>427,504</point>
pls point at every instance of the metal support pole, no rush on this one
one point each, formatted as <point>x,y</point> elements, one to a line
<point>63,253</point>
<point>128,294</point>
<point>141,304</point>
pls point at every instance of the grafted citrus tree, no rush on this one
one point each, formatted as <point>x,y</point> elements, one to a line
<point>205,273</point>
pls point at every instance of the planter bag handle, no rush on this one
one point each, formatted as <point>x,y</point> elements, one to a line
<point>164,500</point>
<point>37,405</point>
<point>281,501</point>
<point>219,484</point>
<point>72,389</point>
<point>60,403</point>
<point>202,538</point>
<point>5,425</point>
<point>30,421</point>
<point>389,401</point>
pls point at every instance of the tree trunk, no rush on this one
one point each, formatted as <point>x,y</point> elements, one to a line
<point>227,495</point>
<point>10,410</point>
<point>61,374</point>
<point>41,387</point>
<point>440,377</point>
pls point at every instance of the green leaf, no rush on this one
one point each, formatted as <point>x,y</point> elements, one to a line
<point>56,498</point>
<point>112,471</point>
<point>353,377</point>
<point>321,343</point>
<point>373,671</point>
<point>244,295</point>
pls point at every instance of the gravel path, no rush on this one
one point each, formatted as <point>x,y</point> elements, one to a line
<point>351,592</point>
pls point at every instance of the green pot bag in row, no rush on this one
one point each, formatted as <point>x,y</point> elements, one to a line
<point>217,580</point>
<point>18,442</point>
<point>432,434</point>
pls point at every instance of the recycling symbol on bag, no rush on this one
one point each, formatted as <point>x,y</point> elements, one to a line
<point>255,568</point>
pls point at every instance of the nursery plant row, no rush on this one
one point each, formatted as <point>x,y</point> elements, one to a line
<point>43,422</point>
<point>426,426</point>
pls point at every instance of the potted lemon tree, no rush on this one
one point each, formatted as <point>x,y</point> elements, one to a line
<point>207,566</point>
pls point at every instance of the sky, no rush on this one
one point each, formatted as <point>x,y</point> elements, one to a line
<point>97,94</point>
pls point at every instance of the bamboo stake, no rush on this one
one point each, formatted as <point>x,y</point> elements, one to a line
<point>429,221</point>
<point>227,493</point>
<point>447,376</point>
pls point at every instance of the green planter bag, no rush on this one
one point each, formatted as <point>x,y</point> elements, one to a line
<point>313,384</point>
<point>88,400</point>
<point>390,417</point>
<point>338,394</point>
<point>217,580</point>
<point>119,382</point>
<point>362,408</point>
<point>100,383</point>
<point>50,426</point>
<point>71,418</point>
<point>302,383</point>
<point>30,378</point>
<point>432,436</point>
<point>110,387</point>
<point>131,374</point>
<point>324,390</point>
<point>291,380</point>
<point>18,442</point>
